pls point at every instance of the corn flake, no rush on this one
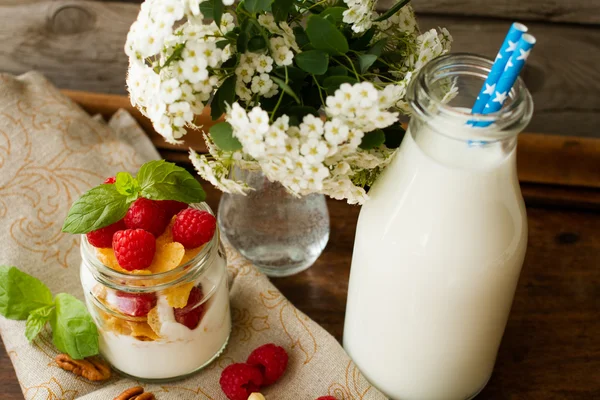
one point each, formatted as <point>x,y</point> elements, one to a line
<point>167,236</point>
<point>108,258</point>
<point>142,331</point>
<point>154,320</point>
<point>189,254</point>
<point>177,296</point>
<point>167,257</point>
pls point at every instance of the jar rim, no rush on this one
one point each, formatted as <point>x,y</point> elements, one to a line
<point>468,64</point>
<point>110,277</point>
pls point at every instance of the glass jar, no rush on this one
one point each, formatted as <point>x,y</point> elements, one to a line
<point>440,243</point>
<point>161,326</point>
<point>279,233</point>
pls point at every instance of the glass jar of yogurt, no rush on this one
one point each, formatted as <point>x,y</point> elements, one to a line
<point>163,323</point>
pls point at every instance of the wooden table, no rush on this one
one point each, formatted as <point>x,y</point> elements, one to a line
<point>551,347</point>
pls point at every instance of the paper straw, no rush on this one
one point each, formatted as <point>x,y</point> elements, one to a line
<point>506,50</point>
<point>509,76</point>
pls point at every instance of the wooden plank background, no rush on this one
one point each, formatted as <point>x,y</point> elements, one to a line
<point>78,44</point>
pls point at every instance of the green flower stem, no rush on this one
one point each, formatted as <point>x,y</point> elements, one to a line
<point>352,65</point>
<point>319,89</point>
<point>280,97</point>
<point>298,17</point>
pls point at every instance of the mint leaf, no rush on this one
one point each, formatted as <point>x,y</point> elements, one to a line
<point>36,321</point>
<point>325,36</point>
<point>21,293</point>
<point>97,208</point>
<point>126,184</point>
<point>161,180</point>
<point>73,329</point>
<point>222,135</point>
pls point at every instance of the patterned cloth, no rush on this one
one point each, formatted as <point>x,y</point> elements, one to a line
<point>51,152</point>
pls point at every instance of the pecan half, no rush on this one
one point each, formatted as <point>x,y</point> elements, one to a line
<point>135,393</point>
<point>91,368</point>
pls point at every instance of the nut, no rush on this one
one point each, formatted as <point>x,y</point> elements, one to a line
<point>256,396</point>
<point>135,393</point>
<point>91,368</point>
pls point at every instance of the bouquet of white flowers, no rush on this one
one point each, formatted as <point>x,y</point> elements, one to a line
<point>311,90</point>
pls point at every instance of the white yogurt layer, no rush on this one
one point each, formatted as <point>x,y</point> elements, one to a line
<point>180,350</point>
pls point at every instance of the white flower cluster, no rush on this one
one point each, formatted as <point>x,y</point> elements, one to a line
<point>359,14</point>
<point>169,63</point>
<point>317,155</point>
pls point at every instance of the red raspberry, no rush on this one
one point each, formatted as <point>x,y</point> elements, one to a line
<point>147,215</point>
<point>193,228</point>
<point>110,180</point>
<point>238,381</point>
<point>103,237</point>
<point>135,304</point>
<point>134,248</point>
<point>172,207</point>
<point>272,361</point>
<point>326,398</point>
<point>191,314</point>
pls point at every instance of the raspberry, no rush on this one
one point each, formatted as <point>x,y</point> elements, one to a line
<point>135,304</point>
<point>147,215</point>
<point>171,207</point>
<point>110,180</point>
<point>272,360</point>
<point>193,228</point>
<point>191,314</point>
<point>134,248</point>
<point>103,237</point>
<point>326,398</point>
<point>238,381</point>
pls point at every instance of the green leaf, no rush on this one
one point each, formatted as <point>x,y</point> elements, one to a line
<point>313,61</point>
<point>257,43</point>
<point>285,87</point>
<point>224,95</point>
<point>325,36</point>
<point>97,208</point>
<point>281,9</point>
<point>337,70</point>
<point>394,135</point>
<point>365,61</point>
<point>126,184</point>
<point>73,329</point>
<point>21,293</point>
<point>372,140</point>
<point>362,42</point>
<point>378,47</point>
<point>254,6</point>
<point>334,14</point>
<point>36,321</point>
<point>393,10</point>
<point>221,44</point>
<point>301,36</point>
<point>242,42</point>
<point>332,83</point>
<point>212,9</point>
<point>222,135</point>
<point>161,180</point>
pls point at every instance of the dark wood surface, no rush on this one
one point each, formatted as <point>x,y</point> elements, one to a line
<point>551,347</point>
<point>79,45</point>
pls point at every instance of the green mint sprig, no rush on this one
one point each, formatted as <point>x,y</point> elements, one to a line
<point>108,203</point>
<point>24,297</point>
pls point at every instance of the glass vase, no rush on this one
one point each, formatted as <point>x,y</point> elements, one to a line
<point>279,233</point>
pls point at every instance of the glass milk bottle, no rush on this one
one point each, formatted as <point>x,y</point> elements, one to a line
<point>440,243</point>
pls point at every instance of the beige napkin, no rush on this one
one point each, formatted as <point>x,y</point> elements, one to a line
<point>51,152</point>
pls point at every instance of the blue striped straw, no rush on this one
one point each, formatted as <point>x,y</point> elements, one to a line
<point>509,76</point>
<point>506,50</point>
